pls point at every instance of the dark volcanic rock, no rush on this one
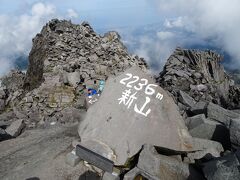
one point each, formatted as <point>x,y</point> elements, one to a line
<point>65,60</point>
<point>65,47</point>
<point>235,132</point>
<point>200,74</point>
<point>4,135</point>
<point>220,114</point>
<point>223,168</point>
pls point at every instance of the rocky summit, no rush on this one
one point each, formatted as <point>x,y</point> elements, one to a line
<point>88,109</point>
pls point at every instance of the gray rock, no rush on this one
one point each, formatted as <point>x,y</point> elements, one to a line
<point>81,102</point>
<point>4,135</point>
<point>199,108</point>
<point>72,159</point>
<point>195,121</point>
<point>7,116</point>
<point>159,123</point>
<point>205,130</point>
<point>236,111</point>
<point>206,154</point>
<point>223,168</point>
<point>164,167</point>
<point>2,94</point>
<point>71,114</point>
<point>209,80</point>
<point>220,114</point>
<point>186,99</point>
<point>15,128</point>
<point>201,87</point>
<point>109,176</point>
<point>2,104</point>
<point>235,132</point>
<point>137,173</point>
<point>40,153</point>
<point>65,78</point>
<point>203,144</point>
<point>201,127</point>
<point>73,78</point>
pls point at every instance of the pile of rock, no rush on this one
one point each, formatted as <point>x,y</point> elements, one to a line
<point>74,50</point>
<point>169,151</point>
<point>10,126</point>
<point>200,74</point>
<point>63,59</point>
<point>190,133</point>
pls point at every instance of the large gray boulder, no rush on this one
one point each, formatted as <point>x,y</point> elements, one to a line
<point>165,167</point>
<point>130,114</point>
<point>160,163</point>
<point>223,168</point>
<point>220,114</point>
<point>235,132</point>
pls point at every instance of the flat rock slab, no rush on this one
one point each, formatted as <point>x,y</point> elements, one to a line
<point>133,111</point>
<point>41,154</point>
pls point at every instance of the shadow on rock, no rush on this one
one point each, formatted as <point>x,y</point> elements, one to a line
<point>89,175</point>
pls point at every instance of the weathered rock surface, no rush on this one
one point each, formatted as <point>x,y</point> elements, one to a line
<point>40,154</point>
<point>220,114</point>
<point>63,47</point>
<point>15,128</point>
<point>63,59</point>
<point>125,124</point>
<point>66,60</point>
<point>223,168</point>
<point>235,132</point>
<point>165,167</point>
<point>200,74</point>
<point>4,135</point>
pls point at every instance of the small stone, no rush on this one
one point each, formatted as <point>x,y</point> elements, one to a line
<point>72,159</point>
<point>186,99</point>
<point>109,176</point>
<point>137,173</point>
<point>199,108</point>
<point>4,135</point>
<point>15,128</point>
<point>2,104</point>
<point>29,99</point>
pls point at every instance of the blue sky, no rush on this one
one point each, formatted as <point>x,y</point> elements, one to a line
<point>149,28</point>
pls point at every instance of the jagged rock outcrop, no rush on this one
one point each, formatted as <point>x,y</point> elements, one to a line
<point>63,47</point>
<point>203,92</point>
<point>67,59</point>
<point>64,58</point>
<point>201,75</point>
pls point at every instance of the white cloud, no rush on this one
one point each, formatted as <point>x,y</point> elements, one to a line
<point>72,14</point>
<point>154,51</point>
<point>41,10</point>
<point>5,66</point>
<point>164,35</point>
<point>174,23</point>
<point>17,31</point>
<point>218,20</point>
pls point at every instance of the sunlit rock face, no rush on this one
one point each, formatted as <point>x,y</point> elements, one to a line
<point>133,111</point>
